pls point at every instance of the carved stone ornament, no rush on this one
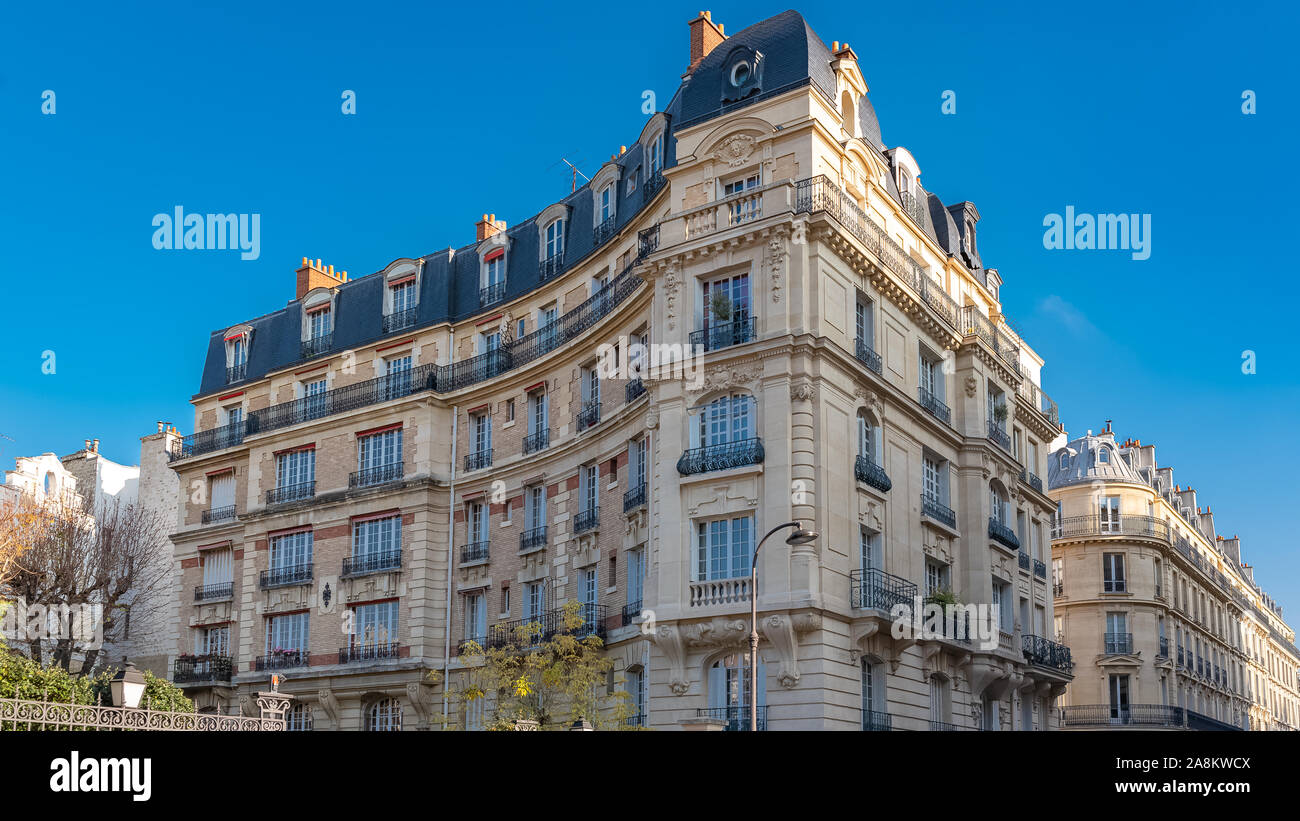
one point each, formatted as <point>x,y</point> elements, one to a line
<point>726,377</point>
<point>803,391</point>
<point>971,386</point>
<point>652,419</point>
<point>776,263</point>
<point>735,150</point>
<point>672,284</point>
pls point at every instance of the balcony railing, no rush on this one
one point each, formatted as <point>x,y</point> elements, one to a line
<point>998,435</point>
<point>631,611</point>
<point>398,320</point>
<point>721,457</point>
<point>603,232</point>
<point>868,471</point>
<point>735,718</point>
<point>372,563</point>
<point>949,727</point>
<point>474,552</point>
<point>938,511</point>
<point>648,241</point>
<point>1118,644</point>
<point>651,186</point>
<point>1126,525</point>
<point>1025,563</point>
<point>537,440</point>
<point>876,721</point>
<point>534,539</point>
<point>1132,715</point>
<point>491,294</point>
<point>586,520</point>
<point>317,345</point>
<point>589,416</point>
<point>634,498</point>
<point>867,356</point>
<point>369,651</point>
<point>1040,569</point>
<point>725,334</point>
<point>1002,534</point>
<point>635,390</point>
<point>976,324</point>
<point>212,592</point>
<point>235,373</point>
<point>1163,652</point>
<point>933,405</point>
<point>1047,653</point>
<point>545,626</point>
<point>218,514</point>
<point>874,589</point>
<point>198,669</point>
<point>281,660</point>
<point>551,267</point>
<point>478,460</point>
<point>286,576</point>
<point>376,475</point>
<point>291,493</point>
<point>1031,480</point>
<point>1039,401</point>
<point>207,441</point>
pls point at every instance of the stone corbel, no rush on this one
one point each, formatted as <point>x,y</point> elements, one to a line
<point>330,704</point>
<point>246,706</point>
<point>670,640</point>
<point>779,631</point>
<point>415,692</point>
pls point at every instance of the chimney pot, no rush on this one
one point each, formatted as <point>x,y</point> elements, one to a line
<point>96,446</point>
<point>705,36</point>
<point>87,444</point>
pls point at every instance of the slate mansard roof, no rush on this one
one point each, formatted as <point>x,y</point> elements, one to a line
<point>791,55</point>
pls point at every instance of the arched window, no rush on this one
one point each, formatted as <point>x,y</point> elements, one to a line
<point>384,715</point>
<point>730,691</point>
<point>555,239</point>
<point>1103,456</point>
<point>869,444</point>
<point>49,484</point>
<point>849,114</point>
<point>725,420</point>
<point>998,506</point>
<point>298,719</point>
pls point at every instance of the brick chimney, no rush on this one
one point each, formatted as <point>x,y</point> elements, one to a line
<point>314,275</point>
<point>488,226</point>
<point>706,35</point>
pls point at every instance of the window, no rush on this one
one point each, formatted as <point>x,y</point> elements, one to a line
<point>744,208</point>
<point>1103,456</point>
<point>213,641</point>
<point>480,433</point>
<point>234,415</point>
<point>731,689</point>
<point>218,572</point>
<point>291,556</point>
<point>296,470</point>
<point>376,539</point>
<point>998,505</point>
<point>374,626</point>
<point>589,487</point>
<point>401,295</point>
<point>934,479</point>
<point>655,163</point>
<point>587,592</point>
<point>478,522</point>
<point>636,458</point>
<point>318,323</point>
<point>636,690</point>
<point>873,695</point>
<point>1110,514</point>
<point>1119,699</point>
<point>1064,460</point>
<point>1002,602</point>
<point>538,420</point>
<point>475,618</point>
<point>864,324</point>
<point>868,439</point>
<point>384,716</point>
<point>314,404</point>
<point>605,204</point>
<point>936,577</point>
<point>635,579</point>
<point>940,708</point>
<point>534,600</point>
<point>1113,573</point>
<point>870,549</point>
<point>379,450</point>
<point>221,490</point>
<point>534,507</point>
<point>931,376</point>
<point>724,548</point>
<point>555,239</point>
<point>286,635</point>
<point>1058,576</point>
<point>298,719</point>
<point>494,268</point>
<point>726,308</point>
<point>397,377</point>
<point>725,420</point>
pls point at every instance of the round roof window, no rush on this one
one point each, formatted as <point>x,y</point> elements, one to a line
<point>740,73</point>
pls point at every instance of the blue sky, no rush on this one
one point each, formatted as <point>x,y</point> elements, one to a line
<point>236,108</point>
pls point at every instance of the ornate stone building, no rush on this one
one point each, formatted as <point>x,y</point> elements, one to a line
<point>1168,626</point>
<point>397,463</point>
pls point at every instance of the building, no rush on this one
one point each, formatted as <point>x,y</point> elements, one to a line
<point>88,481</point>
<point>1167,624</point>
<point>432,453</point>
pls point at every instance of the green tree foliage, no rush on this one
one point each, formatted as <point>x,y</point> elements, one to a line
<point>22,678</point>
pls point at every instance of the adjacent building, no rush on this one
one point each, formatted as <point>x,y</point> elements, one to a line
<point>397,463</point>
<point>1168,626</point>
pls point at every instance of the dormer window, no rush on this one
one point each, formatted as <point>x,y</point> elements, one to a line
<point>606,206</point>
<point>1103,456</point>
<point>968,237</point>
<point>401,294</point>
<point>1065,461</point>
<point>555,239</point>
<point>494,277</point>
<point>318,326</point>
<point>237,340</point>
<point>655,163</point>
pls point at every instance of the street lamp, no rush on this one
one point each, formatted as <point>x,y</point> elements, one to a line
<point>127,686</point>
<point>798,537</point>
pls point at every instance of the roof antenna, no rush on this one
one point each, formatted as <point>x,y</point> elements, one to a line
<point>576,174</point>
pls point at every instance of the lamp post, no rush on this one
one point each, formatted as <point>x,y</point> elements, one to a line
<point>798,537</point>
<point>127,686</point>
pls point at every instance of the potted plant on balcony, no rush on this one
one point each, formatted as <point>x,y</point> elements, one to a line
<point>1000,414</point>
<point>721,308</point>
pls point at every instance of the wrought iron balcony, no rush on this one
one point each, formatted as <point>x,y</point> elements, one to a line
<point>933,406</point>
<point>218,514</point>
<point>721,457</point>
<point>534,539</point>
<point>474,552</point>
<point>603,232</point>
<point>1024,561</point>
<point>1058,589</point>
<point>736,717</point>
<point>1163,652</point>
<point>725,334</point>
<point>651,187</point>
<point>1039,401</point>
<point>544,626</point>
<point>491,294</point>
<point>479,460</point>
<point>286,576</point>
<point>589,416</point>
<point>1125,525</point>
<point>537,440</point>
<point>648,241</point>
<point>372,563</point>
<point>867,356</point>
<point>551,267</point>
<point>631,611</point>
<point>1047,653</point>
<point>398,320</point>
<point>638,720</point>
<point>634,498</point>
<point>874,589</point>
<point>376,475</point>
<point>235,373</point>
<point>317,345</point>
<point>586,520</point>
<point>998,435</point>
<point>635,390</point>
<point>1002,534</point>
<point>948,727</point>
<point>204,668</point>
<point>213,592</point>
<point>1030,479</point>
<point>207,441</point>
<point>1132,715</point>
<point>280,660</point>
<point>1040,569</point>
<point>876,721</point>
<point>1118,644</point>
<point>937,510</point>
<point>369,651</point>
<point>868,471</point>
<point>291,493</point>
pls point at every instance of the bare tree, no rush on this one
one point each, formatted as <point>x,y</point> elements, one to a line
<point>20,522</point>
<point>108,562</point>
